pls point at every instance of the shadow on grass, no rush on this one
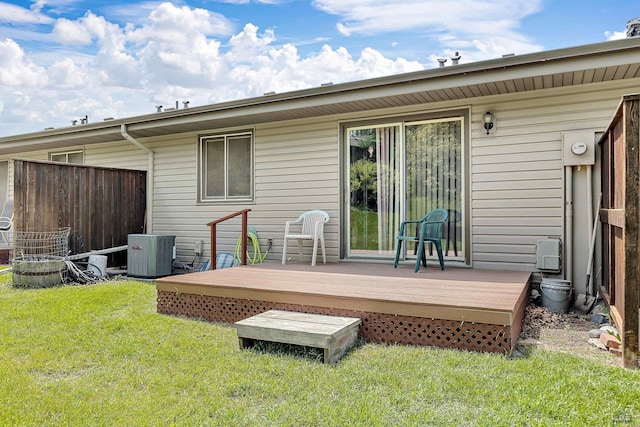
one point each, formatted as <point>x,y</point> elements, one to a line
<point>314,354</point>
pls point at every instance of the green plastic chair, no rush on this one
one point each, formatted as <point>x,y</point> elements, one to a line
<point>429,230</point>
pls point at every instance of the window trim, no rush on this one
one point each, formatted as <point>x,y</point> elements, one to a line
<point>202,168</point>
<point>66,154</point>
<point>408,118</point>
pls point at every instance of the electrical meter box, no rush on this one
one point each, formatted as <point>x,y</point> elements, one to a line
<point>549,255</point>
<point>578,148</point>
<point>150,255</point>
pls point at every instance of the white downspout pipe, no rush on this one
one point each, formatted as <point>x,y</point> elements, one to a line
<point>568,228</point>
<point>150,174</point>
<point>589,201</point>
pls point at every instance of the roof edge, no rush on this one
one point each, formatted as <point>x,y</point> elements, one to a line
<point>490,65</point>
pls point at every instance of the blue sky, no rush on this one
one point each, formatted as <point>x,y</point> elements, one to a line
<point>63,59</point>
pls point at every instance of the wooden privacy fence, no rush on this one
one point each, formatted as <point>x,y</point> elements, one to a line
<point>102,206</point>
<point>620,217</point>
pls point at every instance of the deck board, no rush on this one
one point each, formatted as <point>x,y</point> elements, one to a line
<point>460,308</point>
<point>482,300</point>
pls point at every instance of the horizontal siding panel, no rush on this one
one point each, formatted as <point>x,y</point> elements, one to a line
<point>517,158</point>
<point>516,203</point>
<point>521,147</point>
<point>293,185</point>
<point>185,199</point>
<point>525,141</point>
<point>293,173</point>
<point>503,257</point>
<point>545,230</point>
<point>530,193</point>
<point>518,176</point>
<point>326,156</point>
<point>505,240</point>
<point>284,179</point>
<point>491,189</point>
<point>526,212</point>
<point>326,201</point>
<point>175,161</point>
<point>508,266</point>
<point>171,181</point>
<point>122,155</point>
<point>518,166</point>
<point>549,118</point>
<point>314,140</point>
<point>298,192</point>
<point>504,249</point>
<point>516,222</point>
<point>297,161</point>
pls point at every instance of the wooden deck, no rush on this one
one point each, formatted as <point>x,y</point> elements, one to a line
<point>460,308</point>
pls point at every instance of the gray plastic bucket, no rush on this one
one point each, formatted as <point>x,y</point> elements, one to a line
<point>556,294</point>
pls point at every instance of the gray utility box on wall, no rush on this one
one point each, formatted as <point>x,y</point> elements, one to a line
<point>548,255</point>
<point>150,255</point>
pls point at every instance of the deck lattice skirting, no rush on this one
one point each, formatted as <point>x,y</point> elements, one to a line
<point>375,327</point>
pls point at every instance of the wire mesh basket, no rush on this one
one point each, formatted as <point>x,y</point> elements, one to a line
<point>39,257</point>
<point>28,244</point>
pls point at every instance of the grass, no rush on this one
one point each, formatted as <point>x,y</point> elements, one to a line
<point>100,355</point>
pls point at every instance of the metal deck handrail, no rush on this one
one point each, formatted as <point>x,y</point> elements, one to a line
<point>212,224</point>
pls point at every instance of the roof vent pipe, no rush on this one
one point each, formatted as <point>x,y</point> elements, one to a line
<point>455,59</point>
<point>633,28</point>
<point>158,108</point>
<point>442,61</point>
<point>185,104</point>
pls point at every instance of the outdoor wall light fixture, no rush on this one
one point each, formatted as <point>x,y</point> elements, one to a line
<point>488,120</point>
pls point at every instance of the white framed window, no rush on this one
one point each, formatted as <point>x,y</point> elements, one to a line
<point>76,157</point>
<point>226,167</point>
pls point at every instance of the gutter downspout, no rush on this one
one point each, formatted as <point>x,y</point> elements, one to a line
<point>568,230</point>
<point>150,175</point>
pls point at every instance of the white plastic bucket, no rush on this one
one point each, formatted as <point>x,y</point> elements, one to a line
<point>98,265</point>
<point>556,294</point>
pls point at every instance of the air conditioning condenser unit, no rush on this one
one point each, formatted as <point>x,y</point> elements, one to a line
<point>150,255</point>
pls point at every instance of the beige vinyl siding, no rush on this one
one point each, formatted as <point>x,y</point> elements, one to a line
<point>296,169</point>
<point>175,210</point>
<point>517,172</point>
<point>121,154</point>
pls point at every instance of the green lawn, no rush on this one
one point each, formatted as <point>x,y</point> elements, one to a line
<point>100,355</point>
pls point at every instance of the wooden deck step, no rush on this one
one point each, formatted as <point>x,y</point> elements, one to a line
<point>332,333</point>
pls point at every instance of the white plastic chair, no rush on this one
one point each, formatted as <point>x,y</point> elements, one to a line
<point>312,228</point>
<point>6,220</point>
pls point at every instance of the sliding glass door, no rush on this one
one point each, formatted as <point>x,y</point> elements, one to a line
<point>402,171</point>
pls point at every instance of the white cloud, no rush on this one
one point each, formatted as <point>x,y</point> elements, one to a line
<point>615,35</point>
<point>20,15</point>
<point>171,52</point>
<point>375,16</point>
<point>15,69</point>
<point>71,32</point>
<point>462,22</point>
<point>283,70</point>
<point>248,43</point>
<point>173,24</point>
<point>255,1</point>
